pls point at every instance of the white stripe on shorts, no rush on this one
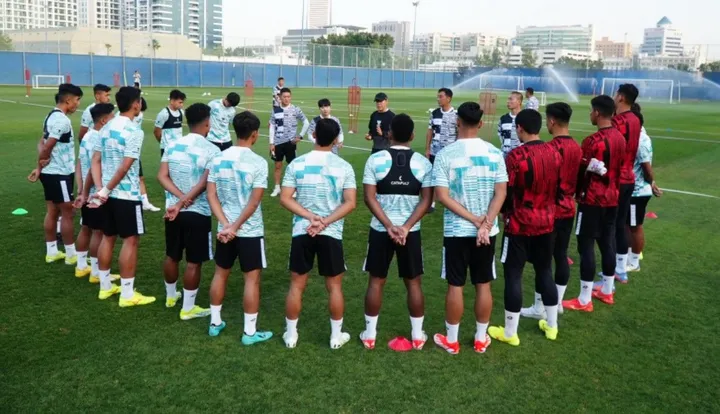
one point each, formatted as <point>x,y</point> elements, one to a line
<point>367,251</point>
<point>504,251</point>
<point>442,272</point>
<point>64,190</point>
<point>633,215</point>
<point>262,252</point>
<point>139,220</point>
<point>493,267</point>
<point>577,226</point>
<point>210,252</point>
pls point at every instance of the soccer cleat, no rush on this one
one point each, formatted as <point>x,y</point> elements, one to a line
<point>574,304</point>
<point>368,343</point>
<point>58,256</point>
<point>338,342</point>
<point>214,330</point>
<point>608,299</point>
<point>171,302</point>
<point>533,312</point>
<point>550,333</point>
<point>452,348</point>
<point>498,332</point>
<point>276,192</point>
<point>71,261</point>
<point>256,338</point>
<point>480,346</point>
<point>138,299</point>
<point>104,294</point>
<point>194,313</point>
<point>622,278</point>
<point>633,268</point>
<point>149,207</point>
<point>83,272</point>
<point>96,279</point>
<point>418,344</point>
<point>290,340</point>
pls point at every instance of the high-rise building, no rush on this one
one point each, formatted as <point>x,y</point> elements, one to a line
<point>101,14</point>
<point>662,40</point>
<point>400,32</point>
<point>436,43</point>
<point>33,14</point>
<point>319,14</point>
<point>610,49</point>
<point>576,37</point>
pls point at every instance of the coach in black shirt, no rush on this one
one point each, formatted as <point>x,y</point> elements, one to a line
<point>379,125</point>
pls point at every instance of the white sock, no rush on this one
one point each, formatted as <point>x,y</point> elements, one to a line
<point>621,263</point>
<point>171,289</point>
<point>82,260</point>
<point>291,326</point>
<point>145,199</point>
<point>511,323</point>
<point>585,292</point>
<point>94,266</point>
<point>481,331</point>
<point>371,326</point>
<point>561,293</point>
<point>634,260</point>
<point>539,306</point>
<point>432,205</point>
<point>215,318</point>
<point>250,323</point>
<point>552,313</point>
<point>189,299</point>
<point>70,250</point>
<point>105,282</point>
<point>127,286</point>
<point>51,248</point>
<point>335,328</point>
<point>608,284</point>
<point>452,332</point>
<point>417,327</point>
<point>59,226</point>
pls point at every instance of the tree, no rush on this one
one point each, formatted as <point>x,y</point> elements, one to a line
<point>710,67</point>
<point>571,63</point>
<point>496,58</point>
<point>108,46</point>
<point>5,42</point>
<point>155,46</point>
<point>367,50</point>
<point>484,59</point>
<point>528,59</point>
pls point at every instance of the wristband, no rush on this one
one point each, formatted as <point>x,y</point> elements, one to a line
<point>103,193</point>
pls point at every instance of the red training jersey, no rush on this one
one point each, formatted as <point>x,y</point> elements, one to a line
<point>533,176</point>
<point>629,126</point>
<point>606,145</point>
<point>571,154</point>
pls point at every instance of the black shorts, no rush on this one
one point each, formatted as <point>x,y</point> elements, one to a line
<point>638,206</point>
<point>518,250</point>
<point>222,145</point>
<point>329,252</point>
<point>137,85</point>
<point>594,221</point>
<point>624,197</point>
<point>432,159</point>
<point>123,218</point>
<point>189,232</point>
<point>562,231</point>
<point>92,217</point>
<point>381,249</point>
<point>285,151</point>
<point>162,152</point>
<point>249,251</point>
<point>58,188</point>
<point>461,253</point>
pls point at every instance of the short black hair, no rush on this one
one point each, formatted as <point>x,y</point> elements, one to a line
<point>324,102</point>
<point>531,91</point>
<point>233,99</point>
<point>629,92</point>
<point>176,94</point>
<point>100,110</point>
<point>283,90</point>
<point>125,97</point>
<point>197,113</point>
<point>143,104</point>
<point>530,120</point>
<point>67,89</point>
<point>518,94</point>
<point>326,131</point>
<point>280,78</point>
<point>402,127</point>
<point>470,113</point>
<point>637,110</point>
<point>604,104</point>
<point>245,123</point>
<point>101,88</point>
<point>447,91</point>
<point>560,112</point>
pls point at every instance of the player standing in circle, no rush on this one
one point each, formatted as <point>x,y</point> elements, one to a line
<point>442,129</point>
<point>529,213</point>
<point>507,133</point>
<point>398,191</point>
<point>532,101</point>
<point>277,92</point>
<point>102,96</point>
<point>283,134</point>
<point>325,113</point>
<point>470,180</point>
<point>379,125</point>
<point>136,79</point>
<point>168,123</point>
<point>222,112</point>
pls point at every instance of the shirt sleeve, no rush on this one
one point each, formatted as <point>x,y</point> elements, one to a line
<point>261,175</point>
<point>349,178</point>
<point>369,177</point>
<point>371,131</point>
<point>500,136</point>
<point>86,119</point>
<point>300,115</point>
<point>162,117</point>
<point>165,154</point>
<point>645,151</point>
<point>430,124</point>
<point>427,178</point>
<point>289,179</point>
<point>510,170</point>
<point>212,154</point>
<point>59,128</point>
<point>501,175</point>
<point>440,176</point>
<point>213,167</point>
<point>310,131</point>
<point>133,145</point>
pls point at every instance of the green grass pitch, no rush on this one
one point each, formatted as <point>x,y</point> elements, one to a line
<point>656,350</point>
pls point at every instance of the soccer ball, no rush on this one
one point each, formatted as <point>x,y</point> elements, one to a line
<point>351,115</point>
<point>27,96</point>
<point>209,94</point>
<point>351,132</point>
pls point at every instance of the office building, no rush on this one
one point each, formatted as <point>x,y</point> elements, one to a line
<point>610,49</point>
<point>319,14</point>
<point>297,40</point>
<point>34,14</point>
<point>662,40</point>
<point>576,37</point>
<point>400,32</point>
<point>436,43</point>
<point>101,14</point>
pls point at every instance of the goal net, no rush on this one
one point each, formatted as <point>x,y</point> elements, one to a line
<point>47,81</point>
<point>651,90</point>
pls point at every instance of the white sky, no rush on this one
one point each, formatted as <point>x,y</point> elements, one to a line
<point>265,19</point>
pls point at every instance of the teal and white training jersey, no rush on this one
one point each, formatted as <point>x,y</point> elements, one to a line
<point>138,119</point>
<point>121,138</point>
<point>86,119</point>
<point>220,119</point>
<point>319,177</point>
<point>187,159</point>
<point>169,132</point>
<point>236,172</point>
<point>87,148</point>
<point>469,168</point>
<point>398,207</point>
<point>644,154</point>
<point>62,158</point>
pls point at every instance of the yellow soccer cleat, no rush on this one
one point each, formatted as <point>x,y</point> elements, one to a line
<point>171,302</point>
<point>138,299</point>
<point>550,333</point>
<point>96,279</point>
<point>194,313</point>
<point>58,256</point>
<point>104,294</point>
<point>71,261</point>
<point>83,272</point>
<point>498,332</point>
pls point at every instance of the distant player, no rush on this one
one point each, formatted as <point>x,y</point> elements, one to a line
<point>283,134</point>
<point>325,113</point>
<point>442,129</point>
<point>115,171</point>
<point>529,214</point>
<point>506,127</point>
<point>136,79</point>
<point>188,226</point>
<point>222,113</point>
<point>168,123</point>
<point>470,180</point>
<point>236,204</point>
<point>326,189</point>
<point>102,95</point>
<point>597,196</point>
<point>532,102</point>
<point>379,125</point>
<point>398,191</point>
<point>277,91</point>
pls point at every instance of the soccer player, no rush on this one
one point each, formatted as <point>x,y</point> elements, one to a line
<point>325,113</point>
<point>146,204</point>
<point>102,96</point>
<point>136,79</point>
<point>277,90</point>
<point>283,134</point>
<point>558,122</point>
<point>532,101</point>
<point>529,213</point>
<point>597,196</point>
<point>115,173</point>
<point>236,204</point>
<point>629,126</point>
<point>188,225</point>
<point>379,125</point>
<point>326,189</point>
<point>168,123</point>
<point>470,180</point>
<point>222,113</point>
<point>506,127</point>
<point>398,192</point>
<point>442,129</point>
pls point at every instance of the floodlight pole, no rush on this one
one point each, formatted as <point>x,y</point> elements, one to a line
<point>122,40</point>
<point>415,51</point>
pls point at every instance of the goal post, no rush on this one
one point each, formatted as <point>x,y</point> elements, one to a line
<point>47,81</point>
<point>650,90</point>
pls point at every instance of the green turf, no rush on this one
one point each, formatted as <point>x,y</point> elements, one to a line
<point>656,350</point>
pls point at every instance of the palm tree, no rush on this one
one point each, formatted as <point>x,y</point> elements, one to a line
<point>108,46</point>
<point>155,46</point>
